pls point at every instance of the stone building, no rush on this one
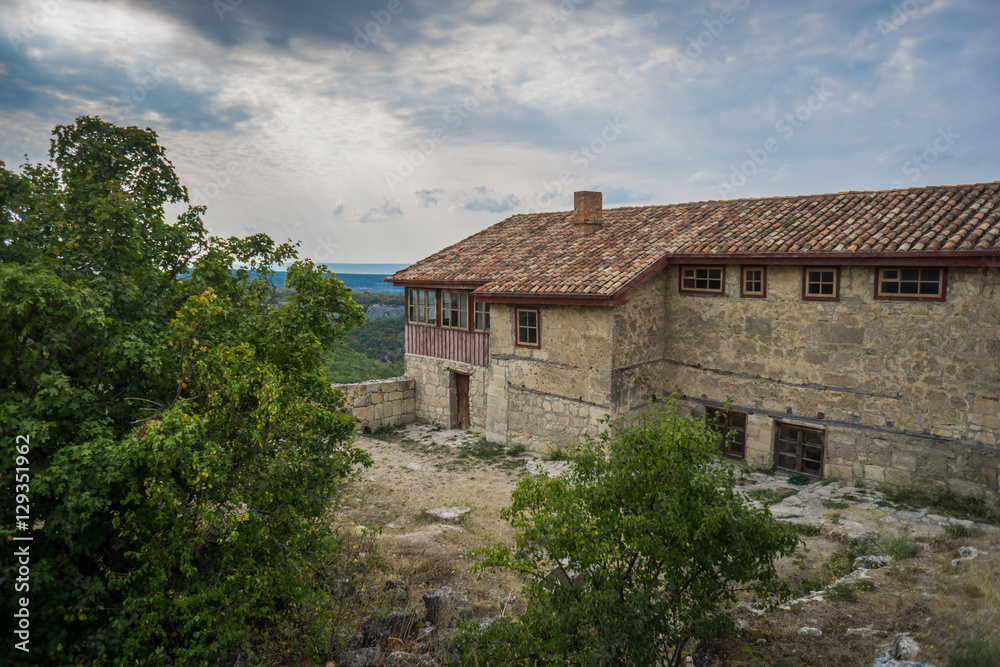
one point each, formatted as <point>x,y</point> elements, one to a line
<point>855,334</point>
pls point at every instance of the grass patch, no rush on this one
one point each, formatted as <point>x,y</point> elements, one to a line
<point>835,505</point>
<point>495,453</point>
<point>943,500</point>
<point>900,546</point>
<point>558,453</point>
<point>800,480</point>
<point>974,650</point>
<point>955,530</point>
<point>833,567</point>
<point>385,432</point>
<point>805,529</point>
<point>769,497</point>
<point>844,592</point>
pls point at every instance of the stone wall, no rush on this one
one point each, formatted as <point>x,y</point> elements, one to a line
<point>905,390</point>
<point>389,402</point>
<point>554,393</point>
<point>436,393</point>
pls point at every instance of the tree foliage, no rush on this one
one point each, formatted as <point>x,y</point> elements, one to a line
<point>657,537</point>
<point>184,444</point>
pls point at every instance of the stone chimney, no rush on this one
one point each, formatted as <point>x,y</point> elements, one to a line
<point>588,216</point>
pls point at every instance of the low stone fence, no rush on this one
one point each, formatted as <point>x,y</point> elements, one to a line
<point>389,402</point>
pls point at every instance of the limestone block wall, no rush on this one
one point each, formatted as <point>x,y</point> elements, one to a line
<point>639,346</point>
<point>905,390</point>
<point>389,402</point>
<point>558,391</point>
<point>436,394</point>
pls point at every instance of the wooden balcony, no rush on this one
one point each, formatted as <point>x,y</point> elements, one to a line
<point>470,347</point>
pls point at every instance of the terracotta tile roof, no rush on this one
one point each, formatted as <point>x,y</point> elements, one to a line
<point>539,254</point>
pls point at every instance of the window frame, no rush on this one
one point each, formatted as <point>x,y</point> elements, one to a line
<point>801,444</point>
<point>726,427</point>
<point>459,311</point>
<point>819,297</point>
<point>409,305</point>
<point>694,290</point>
<point>746,294</point>
<point>485,312</point>
<point>942,294</point>
<point>517,326</point>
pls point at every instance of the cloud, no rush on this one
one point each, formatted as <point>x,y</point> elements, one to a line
<point>622,196</point>
<point>486,199</point>
<point>428,198</point>
<point>381,213</point>
<point>338,208</point>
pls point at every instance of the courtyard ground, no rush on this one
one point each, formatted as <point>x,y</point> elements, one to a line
<point>950,607</point>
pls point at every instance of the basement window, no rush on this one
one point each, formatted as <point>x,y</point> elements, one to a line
<point>733,426</point>
<point>903,283</point>
<point>703,279</point>
<point>821,284</point>
<point>528,327</point>
<point>798,449</point>
<point>422,307</point>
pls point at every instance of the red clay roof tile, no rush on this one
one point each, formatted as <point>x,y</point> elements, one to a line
<point>541,254</point>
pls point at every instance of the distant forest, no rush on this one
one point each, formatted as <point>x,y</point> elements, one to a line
<point>373,350</point>
<point>358,282</point>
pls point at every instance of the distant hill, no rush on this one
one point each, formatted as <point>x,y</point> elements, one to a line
<point>359,278</point>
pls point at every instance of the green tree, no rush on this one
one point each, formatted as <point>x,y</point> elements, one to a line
<point>657,538</point>
<point>184,444</point>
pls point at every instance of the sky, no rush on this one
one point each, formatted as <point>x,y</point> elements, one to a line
<point>385,130</point>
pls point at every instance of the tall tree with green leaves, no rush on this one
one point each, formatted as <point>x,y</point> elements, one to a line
<point>655,539</point>
<point>184,446</point>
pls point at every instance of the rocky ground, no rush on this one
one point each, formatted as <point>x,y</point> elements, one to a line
<point>927,591</point>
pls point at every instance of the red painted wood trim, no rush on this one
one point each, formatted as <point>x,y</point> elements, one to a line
<point>934,259</point>
<point>468,347</point>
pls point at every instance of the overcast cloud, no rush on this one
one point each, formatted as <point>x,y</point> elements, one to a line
<point>384,130</point>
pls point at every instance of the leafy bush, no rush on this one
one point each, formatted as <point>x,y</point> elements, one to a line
<point>184,445</point>
<point>658,535</point>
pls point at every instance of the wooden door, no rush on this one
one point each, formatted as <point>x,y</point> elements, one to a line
<point>462,402</point>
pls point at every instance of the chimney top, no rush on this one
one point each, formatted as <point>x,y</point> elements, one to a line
<point>588,215</point>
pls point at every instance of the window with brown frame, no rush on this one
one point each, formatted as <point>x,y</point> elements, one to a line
<point>528,327</point>
<point>821,284</point>
<point>798,449</point>
<point>482,319</point>
<point>753,282</point>
<point>703,279</point>
<point>422,307</point>
<point>909,283</point>
<point>733,426</point>
<point>455,310</point>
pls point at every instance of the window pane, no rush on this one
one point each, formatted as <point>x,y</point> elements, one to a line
<point>930,288</point>
<point>890,274</point>
<point>890,288</point>
<point>910,274</point>
<point>812,438</point>
<point>931,275</point>
<point>908,288</point>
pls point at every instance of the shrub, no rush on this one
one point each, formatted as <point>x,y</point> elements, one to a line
<point>661,540</point>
